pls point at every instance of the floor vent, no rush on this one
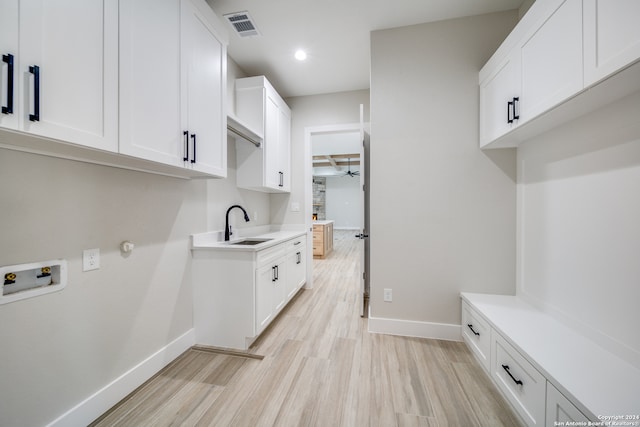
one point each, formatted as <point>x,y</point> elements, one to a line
<point>242,23</point>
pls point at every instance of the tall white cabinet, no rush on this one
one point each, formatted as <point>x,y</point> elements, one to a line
<point>268,167</point>
<point>61,80</point>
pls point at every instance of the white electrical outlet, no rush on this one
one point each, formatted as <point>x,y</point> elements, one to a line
<point>255,215</point>
<point>90,259</point>
<point>388,295</point>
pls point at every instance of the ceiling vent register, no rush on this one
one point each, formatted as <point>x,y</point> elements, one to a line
<point>242,23</point>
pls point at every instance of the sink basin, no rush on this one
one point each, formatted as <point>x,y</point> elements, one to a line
<point>250,242</point>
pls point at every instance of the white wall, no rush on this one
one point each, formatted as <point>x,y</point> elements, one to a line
<point>343,201</point>
<point>445,221</point>
<point>579,224</point>
<point>59,349</point>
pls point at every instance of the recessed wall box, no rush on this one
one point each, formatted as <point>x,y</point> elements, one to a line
<point>33,279</point>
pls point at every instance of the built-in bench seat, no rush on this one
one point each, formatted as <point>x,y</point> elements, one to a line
<point>547,371</point>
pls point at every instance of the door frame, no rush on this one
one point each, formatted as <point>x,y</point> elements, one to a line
<point>309,132</point>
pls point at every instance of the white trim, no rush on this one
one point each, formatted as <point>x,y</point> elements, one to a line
<point>412,328</point>
<point>101,401</point>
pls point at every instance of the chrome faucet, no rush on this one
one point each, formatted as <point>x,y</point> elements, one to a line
<point>227,229</point>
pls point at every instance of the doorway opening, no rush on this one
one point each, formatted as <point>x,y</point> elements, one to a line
<point>337,194</point>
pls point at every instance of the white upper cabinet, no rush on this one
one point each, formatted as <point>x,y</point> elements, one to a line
<point>8,66</point>
<point>499,93</point>
<point>204,83</point>
<point>611,37</point>
<point>65,75</point>
<point>268,167</point>
<point>551,58</point>
<point>150,122</point>
<point>538,78</point>
<point>173,82</point>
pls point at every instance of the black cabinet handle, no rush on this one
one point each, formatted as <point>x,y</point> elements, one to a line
<point>509,110</point>
<point>273,273</point>
<point>506,368</point>
<point>281,179</point>
<point>35,70</point>
<point>193,136</point>
<point>277,273</point>
<point>298,258</point>
<point>516,108</point>
<point>474,332</point>
<point>185,135</point>
<point>8,59</point>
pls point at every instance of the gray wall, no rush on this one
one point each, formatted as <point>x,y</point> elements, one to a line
<point>59,349</point>
<point>442,211</point>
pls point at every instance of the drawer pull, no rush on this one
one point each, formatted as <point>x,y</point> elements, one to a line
<point>506,368</point>
<point>474,332</point>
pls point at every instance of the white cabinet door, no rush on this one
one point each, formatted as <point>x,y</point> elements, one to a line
<point>67,71</point>
<point>497,95</point>
<point>612,37</point>
<point>150,122</point>
<point>284,148</point>
<point>265,277</point>
<point>296,271</point>
<point>271,143</point>
<point>9,65</point>
<point>560,411</point>
<point>204,86</point>
<point>551,60</point>
<point>280,287</point>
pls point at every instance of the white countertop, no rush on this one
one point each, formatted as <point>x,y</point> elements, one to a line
<point>323,221</point>
<point>214,240</point>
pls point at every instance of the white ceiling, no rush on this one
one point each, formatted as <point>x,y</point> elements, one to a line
<point>334,33</point>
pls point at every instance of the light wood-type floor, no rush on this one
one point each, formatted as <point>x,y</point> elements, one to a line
<point>321,368</point>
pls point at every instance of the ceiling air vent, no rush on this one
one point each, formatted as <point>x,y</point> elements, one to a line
<point>242,23</point>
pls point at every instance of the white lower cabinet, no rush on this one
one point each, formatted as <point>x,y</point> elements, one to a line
<point>238,293</point>
<point>560,410</point>
<point>522,385</point>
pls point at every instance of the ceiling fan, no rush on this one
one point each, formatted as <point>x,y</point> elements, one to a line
<point>349,172</point>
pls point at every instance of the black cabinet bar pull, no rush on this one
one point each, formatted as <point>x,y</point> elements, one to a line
<point>281,179</point>
<point>185,134</point>
<point>509,109</point>
<point>474,332</point>
<point>35,70</point>
<point>193,136</point>
<point>277,273</point>
<point>506,368</point>
<point>516,108</point>
<point>298,258</point>
<point>8,58</point>
<point>273,273</point>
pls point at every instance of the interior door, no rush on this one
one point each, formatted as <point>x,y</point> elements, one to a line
<point>363,234</point>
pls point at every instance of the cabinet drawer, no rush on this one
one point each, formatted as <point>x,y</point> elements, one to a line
<point>270,255</point>
<point>518,380</point>
<point>296,244</point>
<point>477,334</point>
<point>560,410</point>
<point>318,236</point>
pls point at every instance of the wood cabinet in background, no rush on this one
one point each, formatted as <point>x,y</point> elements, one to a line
<point>322,239</point>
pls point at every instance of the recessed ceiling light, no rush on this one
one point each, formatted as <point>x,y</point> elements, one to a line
<point>301,55</point>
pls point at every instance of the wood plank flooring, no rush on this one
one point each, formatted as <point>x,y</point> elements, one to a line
<point>321,368</point>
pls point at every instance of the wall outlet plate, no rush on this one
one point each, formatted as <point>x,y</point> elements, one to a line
<point>388,295</point>
<point>90,259</point>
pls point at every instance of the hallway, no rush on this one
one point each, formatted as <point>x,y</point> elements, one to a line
<point>321,367</point>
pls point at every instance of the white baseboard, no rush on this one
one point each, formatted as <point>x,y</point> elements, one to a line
<point>412,328</point>
<point>102,400</point>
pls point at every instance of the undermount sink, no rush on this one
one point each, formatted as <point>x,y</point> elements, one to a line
<point>250,242</point>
